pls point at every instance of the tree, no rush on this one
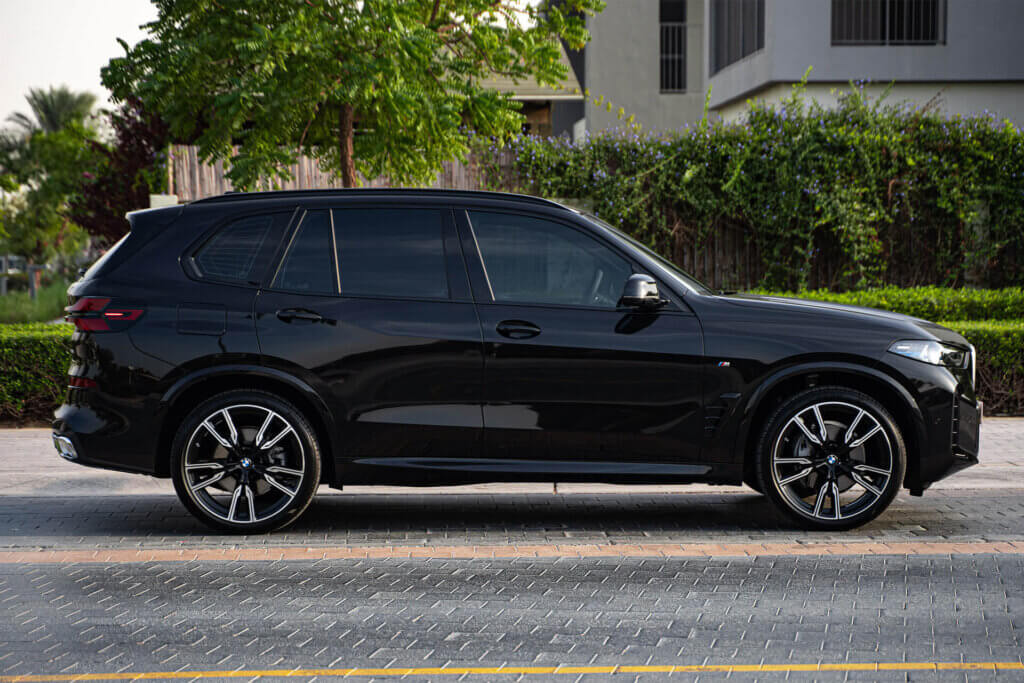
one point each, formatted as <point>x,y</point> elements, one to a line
<point>53,109</point>
<point>126,172</point>
<point>378,87</point>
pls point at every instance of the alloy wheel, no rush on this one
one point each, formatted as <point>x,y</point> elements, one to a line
<point>244,464</point>
<point>832,460</point>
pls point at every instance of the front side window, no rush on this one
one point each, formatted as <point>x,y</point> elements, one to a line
<point>308,267</point>
<point>737,31</point>
<point>391,253</point>
<point>888,22</point>
<point>535,261</point>
<point>232,253</point>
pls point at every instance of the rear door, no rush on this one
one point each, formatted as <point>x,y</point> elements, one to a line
<point>574,385</point>
<point>372,306</point>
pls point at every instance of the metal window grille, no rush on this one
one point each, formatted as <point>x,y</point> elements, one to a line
<point>889,22</point>
<point>672,20</point>
<point>737,31</point>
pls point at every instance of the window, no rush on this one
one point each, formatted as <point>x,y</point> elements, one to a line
<point>737,31</point>
<point>391,252</point>
<point>308,267</point>
<point>232,253</point>
<point>888,22</point>
<point>530,260</point>
<point>672,19</point>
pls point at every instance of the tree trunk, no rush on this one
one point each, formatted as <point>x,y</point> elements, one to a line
<point>346,132</point>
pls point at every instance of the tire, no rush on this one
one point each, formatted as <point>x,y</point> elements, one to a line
<point>860,463</point>
<point>245,461</point>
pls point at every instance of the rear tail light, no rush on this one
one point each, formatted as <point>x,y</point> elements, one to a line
<point>81,382</point>
<point>95,314</point>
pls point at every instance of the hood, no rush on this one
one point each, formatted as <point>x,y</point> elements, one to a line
<point>905,326</point>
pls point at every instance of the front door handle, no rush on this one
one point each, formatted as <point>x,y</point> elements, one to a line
<point>517,329</point>
<point>289,314</point>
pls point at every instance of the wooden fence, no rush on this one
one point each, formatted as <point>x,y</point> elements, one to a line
<point>726,258</point>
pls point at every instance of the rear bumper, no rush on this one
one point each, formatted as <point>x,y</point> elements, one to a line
<point>98,435</point>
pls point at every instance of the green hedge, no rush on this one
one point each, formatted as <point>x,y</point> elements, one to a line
<point>930,303</point>
<point>34,360</point>
<point>1000,345</point>
<point>867,193</point>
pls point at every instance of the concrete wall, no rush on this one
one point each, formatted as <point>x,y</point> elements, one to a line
<point>1004,100</point>
<point>622,62</point>
<point>984,42</point>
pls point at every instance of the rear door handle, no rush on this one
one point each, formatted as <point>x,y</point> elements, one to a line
<point>289,314</point>
<point>517,329</point>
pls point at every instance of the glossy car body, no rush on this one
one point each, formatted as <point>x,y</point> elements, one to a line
<point>431,390</point>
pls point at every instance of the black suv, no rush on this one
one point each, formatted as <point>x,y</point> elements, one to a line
<point>253,346</point>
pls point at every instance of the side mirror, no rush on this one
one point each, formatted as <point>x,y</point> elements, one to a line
<point>641,291</point>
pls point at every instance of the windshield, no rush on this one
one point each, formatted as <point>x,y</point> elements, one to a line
<point>685,278</point>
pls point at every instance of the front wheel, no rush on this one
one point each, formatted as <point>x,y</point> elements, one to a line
<point>245,461</point>
<point>831,458</point>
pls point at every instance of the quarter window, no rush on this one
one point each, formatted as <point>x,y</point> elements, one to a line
<point>391,253</point>
<point>232,253</point>
<point>308,267</point>
<point>531,260</point>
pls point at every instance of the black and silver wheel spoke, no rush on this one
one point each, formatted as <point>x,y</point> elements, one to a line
<point>238,473</point>
<point>832,460</point>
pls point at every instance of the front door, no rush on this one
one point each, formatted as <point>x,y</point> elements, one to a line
<point>572,383</point>
<point>372,306</point>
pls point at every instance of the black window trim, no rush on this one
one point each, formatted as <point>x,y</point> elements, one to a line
<point>187,260</point>
<point>677,307</point>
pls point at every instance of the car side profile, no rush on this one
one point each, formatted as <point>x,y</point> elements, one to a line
<point>253,346</point>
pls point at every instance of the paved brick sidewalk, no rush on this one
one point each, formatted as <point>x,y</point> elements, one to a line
<point>149,522</point>
<point>429,613</point>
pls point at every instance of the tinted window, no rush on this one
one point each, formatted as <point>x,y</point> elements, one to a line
<point>532,260</point>
<point>391,252</point>
<point>231,254</point>
<point>307,266</point>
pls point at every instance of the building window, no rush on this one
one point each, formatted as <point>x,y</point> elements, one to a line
<point>737,30</point>
<point>672,19</point>
<point>888,22</point>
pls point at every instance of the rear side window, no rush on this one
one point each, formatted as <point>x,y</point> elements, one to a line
<point>94,269</point>
<point>391,253</point>
<point>307,267</point>
<point>232,253</point>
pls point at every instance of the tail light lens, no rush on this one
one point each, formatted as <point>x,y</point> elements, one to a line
<point>81,382</point>
<point>96,314</point>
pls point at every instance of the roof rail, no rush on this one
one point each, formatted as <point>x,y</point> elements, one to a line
<point>233,196</point>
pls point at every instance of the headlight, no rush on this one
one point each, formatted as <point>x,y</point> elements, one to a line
<point>931,352</point>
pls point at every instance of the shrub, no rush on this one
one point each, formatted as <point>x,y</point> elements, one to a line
<point>930,303</point>
<point>1000,345</point>
<point>34,361</point>
<point>800,195</point>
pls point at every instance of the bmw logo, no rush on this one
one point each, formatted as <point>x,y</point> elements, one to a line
<point>246,463</point>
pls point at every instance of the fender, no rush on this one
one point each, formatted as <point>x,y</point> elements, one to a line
<point>262,371</point>
<point>753,402</point>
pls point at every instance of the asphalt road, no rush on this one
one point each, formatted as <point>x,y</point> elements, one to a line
<point>106,577</point>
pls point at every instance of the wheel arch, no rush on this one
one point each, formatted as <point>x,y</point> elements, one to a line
<point>190,390</point>
<point>882,387</point>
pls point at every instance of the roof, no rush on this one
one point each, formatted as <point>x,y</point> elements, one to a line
<point>372,192</point>
<point>567,89</point>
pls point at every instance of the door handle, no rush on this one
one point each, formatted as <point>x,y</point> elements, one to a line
<point>289,314</point>
<point>517,329</point>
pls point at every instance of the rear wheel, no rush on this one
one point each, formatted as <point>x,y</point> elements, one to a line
<point>831,458</point>
<point>246,461</point>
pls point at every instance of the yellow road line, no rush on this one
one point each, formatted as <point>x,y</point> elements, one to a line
<point>526,670</point>
<point>112,556</point>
